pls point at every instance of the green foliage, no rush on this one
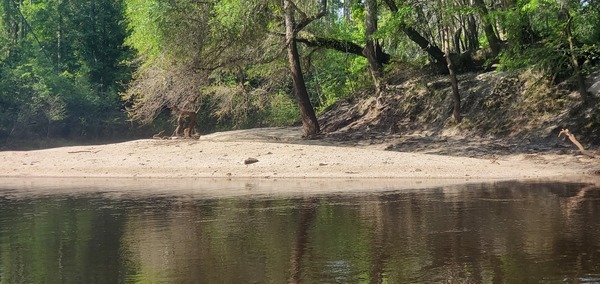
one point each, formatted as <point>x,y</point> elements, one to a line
<point>542,58</point>
<point>536,30</point>
<point>61,70</point>
<point>144,19</point>
<point>64,63</point>
<point>282,111</point>
<point>390,31</point>
<point>334,77</point>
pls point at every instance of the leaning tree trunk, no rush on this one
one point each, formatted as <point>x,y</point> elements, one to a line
<point>307,219</point>
<point>431,49</point>
<point>309,118</point>
<point>488,28</point>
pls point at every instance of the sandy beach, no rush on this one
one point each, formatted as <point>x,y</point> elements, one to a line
<point>278,153</point>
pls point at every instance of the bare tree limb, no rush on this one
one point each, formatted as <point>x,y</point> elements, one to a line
<point>572,138</point>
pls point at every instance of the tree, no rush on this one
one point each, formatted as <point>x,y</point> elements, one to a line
<point>247,57</point>
<point>493,40</point>
<point>46,75</point>
<point>309,119</point>
<point>341,45</point>
<point>372,47</point>
<point>453,80</point>
<point>575,61</point>
<point>434,51</point>
<point>446,21</point>
<point>543,35</point>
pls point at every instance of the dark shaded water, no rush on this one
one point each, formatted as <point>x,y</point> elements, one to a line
<point>492,233</point>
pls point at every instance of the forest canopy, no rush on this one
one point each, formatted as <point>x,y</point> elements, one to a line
<point>89,69</point>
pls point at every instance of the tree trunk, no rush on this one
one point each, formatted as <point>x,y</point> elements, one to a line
<point>309,118</point>
<point>472,34</point>
<point>456,40</point>
<point>372,46</point>
<point>432,50</point>
<point>93,15</point>
<point>416,37</point>
<point>576,68</point>
<point>488,28</point>
<point>347,11</point>
<point>307,218</point>
<point>59,41</point>
<point>14,25</point>
<point>453,79</point>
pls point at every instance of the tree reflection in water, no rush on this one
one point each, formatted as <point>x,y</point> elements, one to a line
<point>503,232</point>
<point>307,211</point>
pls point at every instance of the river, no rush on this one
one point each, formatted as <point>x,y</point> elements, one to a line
<point>502,232</point>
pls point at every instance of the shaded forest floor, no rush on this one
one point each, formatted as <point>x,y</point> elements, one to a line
<point>503,113</point>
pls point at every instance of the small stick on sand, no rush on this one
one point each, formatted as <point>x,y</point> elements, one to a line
<point>572,138</point>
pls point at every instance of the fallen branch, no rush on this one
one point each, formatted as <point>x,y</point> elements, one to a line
<point>572,138</point>
<point>84,151</point>
<point>160,135</point>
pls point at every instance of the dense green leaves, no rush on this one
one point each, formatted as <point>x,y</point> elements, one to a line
<point>61,68</point>
<point>64,63</point>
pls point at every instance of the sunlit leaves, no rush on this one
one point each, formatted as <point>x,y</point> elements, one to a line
<point>237,44</point>
<point>146,32</point>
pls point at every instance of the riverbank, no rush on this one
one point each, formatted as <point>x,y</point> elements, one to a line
<point>271,153</point>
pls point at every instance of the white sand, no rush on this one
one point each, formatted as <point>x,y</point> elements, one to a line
<point>281,154</point>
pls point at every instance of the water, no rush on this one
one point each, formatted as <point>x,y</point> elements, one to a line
<point>486,233</point>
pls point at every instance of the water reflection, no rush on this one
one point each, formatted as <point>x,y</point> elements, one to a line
<point>489,233</point>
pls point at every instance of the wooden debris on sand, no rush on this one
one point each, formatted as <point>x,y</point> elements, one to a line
<point>574,140</point>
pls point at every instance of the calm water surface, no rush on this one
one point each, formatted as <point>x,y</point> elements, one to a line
<point>492,233</point>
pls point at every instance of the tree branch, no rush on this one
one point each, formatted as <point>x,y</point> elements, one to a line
<point>337,44</point>
<point>302,14</point>
<point>307,20</point>
<point>392,5</point>
<point>417,38</point>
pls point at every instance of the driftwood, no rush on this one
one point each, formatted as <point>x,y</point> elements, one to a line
<point>159,135</point>
<point>572,138</point>
<point>84,151</point>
